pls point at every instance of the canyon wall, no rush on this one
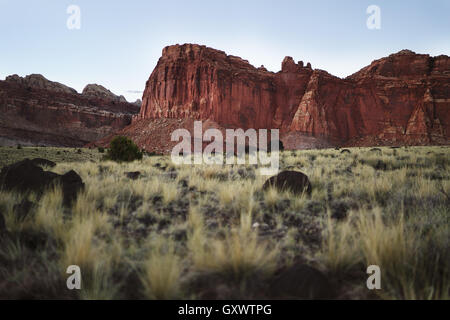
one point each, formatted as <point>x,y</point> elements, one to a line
<point>400,99</point>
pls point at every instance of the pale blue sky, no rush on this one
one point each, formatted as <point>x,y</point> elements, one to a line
<point>120,41</point>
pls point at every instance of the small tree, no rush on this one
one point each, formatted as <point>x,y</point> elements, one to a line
<point>123,149</point>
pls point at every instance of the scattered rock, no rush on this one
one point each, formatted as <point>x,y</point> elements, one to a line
<point>375,150</point>
<point>293,181</point>
<point>163,224</point>
<point>301,281</point>
<point>133,175</point>
<point>339,210</point>
<point>345,151</point>
<point>148,220</point>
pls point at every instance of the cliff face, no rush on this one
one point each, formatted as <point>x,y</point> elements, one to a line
<point>403,98</point>
<point>197,82</point>
<point>36,111</point>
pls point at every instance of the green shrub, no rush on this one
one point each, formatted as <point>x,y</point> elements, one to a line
<point>101,149</point>
<point>123,149</point>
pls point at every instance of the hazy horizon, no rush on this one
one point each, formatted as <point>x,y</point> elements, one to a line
<point>118,44</point>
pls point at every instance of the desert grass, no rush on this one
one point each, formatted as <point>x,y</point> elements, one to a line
<point>151,238</point>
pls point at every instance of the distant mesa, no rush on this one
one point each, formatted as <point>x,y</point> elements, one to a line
<point>38,81</point>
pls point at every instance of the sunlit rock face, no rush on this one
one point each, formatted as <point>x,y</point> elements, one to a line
<point>403,98</point>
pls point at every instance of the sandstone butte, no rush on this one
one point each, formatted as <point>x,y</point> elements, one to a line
<point>403,99</point>
<point>36,111</point>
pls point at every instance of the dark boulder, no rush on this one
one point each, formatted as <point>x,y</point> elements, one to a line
<point>71,184</point>
<point>133,175</point>
<point>301,281</point>
<point>293,181</point>
<point>25,176</point>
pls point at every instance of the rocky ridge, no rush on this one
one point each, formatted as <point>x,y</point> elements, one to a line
<point>36,111</point>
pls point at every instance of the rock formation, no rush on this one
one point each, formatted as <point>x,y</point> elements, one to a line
<point>36,111</point>
<point>138,103</point>
<point>400,99</point>
<point>99,92</point>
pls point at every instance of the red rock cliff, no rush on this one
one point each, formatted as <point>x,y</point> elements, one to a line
<point>36,111</point>
<point>404,98</point>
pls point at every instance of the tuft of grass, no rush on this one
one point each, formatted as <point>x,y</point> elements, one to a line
<point>408,271</point>
<point>239,256</point>
<point>147,237</point>
<point>162,272</point>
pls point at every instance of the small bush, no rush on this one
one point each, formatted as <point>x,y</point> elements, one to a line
<point>19,146</point>
<point>123,149</point>
<point>101,149</point>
